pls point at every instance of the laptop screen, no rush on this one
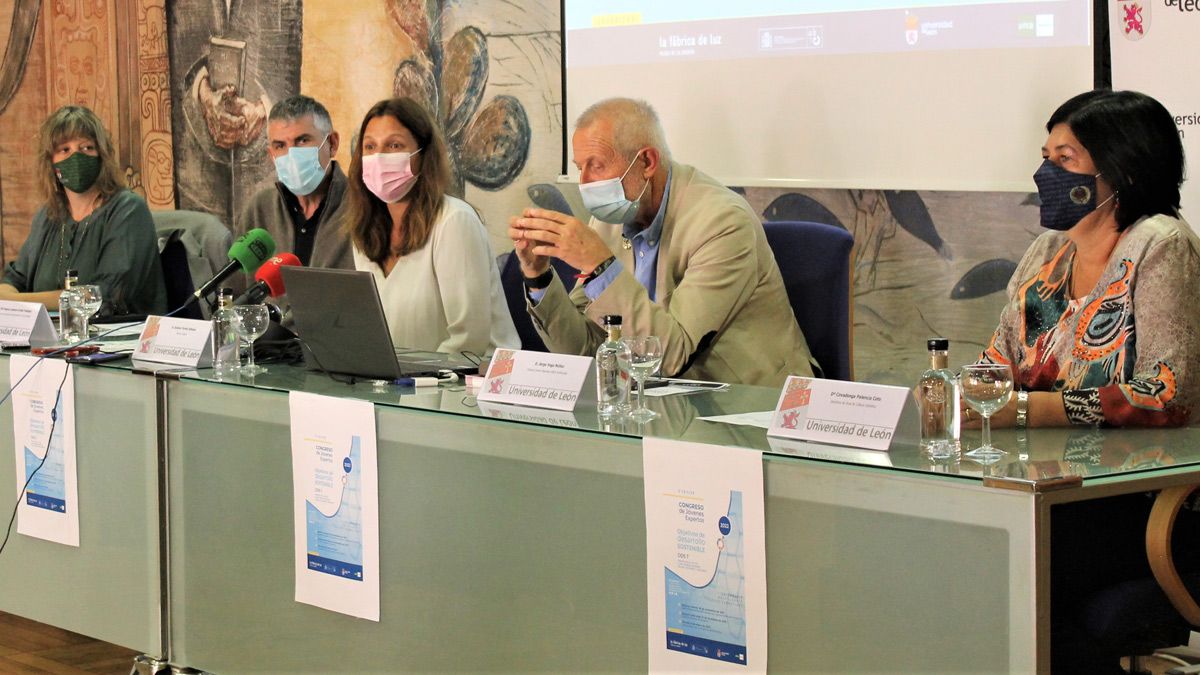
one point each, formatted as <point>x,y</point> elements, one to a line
<point>338,316</point>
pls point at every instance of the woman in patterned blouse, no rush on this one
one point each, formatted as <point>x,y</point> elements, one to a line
<point>1101,326</point>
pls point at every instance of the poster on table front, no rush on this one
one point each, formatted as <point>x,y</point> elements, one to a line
<point>43,401</point>
<point>706,566</point>
<point>335,504</point>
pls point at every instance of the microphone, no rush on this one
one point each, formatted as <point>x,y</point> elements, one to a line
<point>268,280</point>
<point>248,253</point>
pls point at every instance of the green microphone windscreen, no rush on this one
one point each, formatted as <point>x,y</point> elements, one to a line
<point>252,249</point>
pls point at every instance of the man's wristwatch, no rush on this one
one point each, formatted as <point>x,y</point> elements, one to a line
<point>597,270</point>
<point>540,281</point>
<point>1022,409</point>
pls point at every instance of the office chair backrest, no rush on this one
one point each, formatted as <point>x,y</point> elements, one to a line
<point>514,296</point>
<point>176,276</point>
<point>815,262</point>
<point>204,242</point>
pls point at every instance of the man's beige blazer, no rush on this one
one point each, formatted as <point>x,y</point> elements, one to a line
<point>721,311</point>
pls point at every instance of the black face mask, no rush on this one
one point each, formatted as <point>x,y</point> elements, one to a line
<point>1066,197</point>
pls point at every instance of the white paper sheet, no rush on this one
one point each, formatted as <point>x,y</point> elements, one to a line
<point>680,386</point>
<point>49,507</point>
<point>122,333</point>
<point>761,420</point>
<point>335,504</point>
<point>706,565</point>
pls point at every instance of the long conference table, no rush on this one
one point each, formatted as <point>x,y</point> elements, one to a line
<point>514,540</point>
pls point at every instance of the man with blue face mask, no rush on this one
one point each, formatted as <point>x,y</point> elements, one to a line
<point>300,209</point>
<point>673,252</point>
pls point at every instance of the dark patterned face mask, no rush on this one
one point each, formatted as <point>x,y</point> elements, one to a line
<point>1066,197</point>
<point>78,172</point>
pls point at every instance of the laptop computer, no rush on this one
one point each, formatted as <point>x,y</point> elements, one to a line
<point>340,320</point>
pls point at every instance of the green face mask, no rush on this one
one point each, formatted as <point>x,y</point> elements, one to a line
<point>78,172</point>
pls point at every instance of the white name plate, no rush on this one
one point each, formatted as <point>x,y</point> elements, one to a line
<point>183,342</point>
<point>855,414</point>
<point>25,323</point>
<point>538,379</point>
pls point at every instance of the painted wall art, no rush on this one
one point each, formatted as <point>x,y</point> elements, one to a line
<point>230,61</point>
<point>19,112</point>
<point>490,73</point>
<point>926,264</point>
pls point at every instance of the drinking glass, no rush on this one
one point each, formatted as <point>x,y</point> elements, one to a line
<point>644,357</point>
<point>986,387</point>
<point>89,303</point>
<point>249,322</point>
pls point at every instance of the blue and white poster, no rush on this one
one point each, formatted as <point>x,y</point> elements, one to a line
<point>706,558</point>
<point>44,440</point>
<point>336,504</point>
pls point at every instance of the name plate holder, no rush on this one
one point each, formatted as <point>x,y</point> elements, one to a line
<point>25,324</point>
<point>829,453</point>
<point>538,379</point>
<point>181,342</point>
<point>853,414</point>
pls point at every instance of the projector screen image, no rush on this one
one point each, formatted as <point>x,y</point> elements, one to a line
<point>838,93</point>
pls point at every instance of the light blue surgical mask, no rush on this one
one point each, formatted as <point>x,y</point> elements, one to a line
<point>300,169</point>
<point>605,199</point>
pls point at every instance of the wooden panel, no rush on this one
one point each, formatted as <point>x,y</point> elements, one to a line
<point>81,53</point>
<point>143,85</point>
<point>154,96</point>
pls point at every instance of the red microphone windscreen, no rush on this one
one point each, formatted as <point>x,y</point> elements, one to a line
<point>269,272</point>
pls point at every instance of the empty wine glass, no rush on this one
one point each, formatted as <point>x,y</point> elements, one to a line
<point>249,322</point>
<point>90,300</point>
<point>986,387</point>
<point>644,357</point>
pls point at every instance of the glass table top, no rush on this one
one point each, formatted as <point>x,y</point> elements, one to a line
<point>1035,455</point>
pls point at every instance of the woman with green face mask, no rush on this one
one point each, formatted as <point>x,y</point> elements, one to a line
<point>90,223</point>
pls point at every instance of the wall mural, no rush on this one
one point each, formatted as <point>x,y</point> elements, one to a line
<point>925,264</point>
<point>18,41</point>
<point>488,143</point>
<point>524,53</point>
<point>490,73</point>
<point>230,60</point>
<point>21,27</point>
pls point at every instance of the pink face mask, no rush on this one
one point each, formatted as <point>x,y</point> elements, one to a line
<point>388,175</point>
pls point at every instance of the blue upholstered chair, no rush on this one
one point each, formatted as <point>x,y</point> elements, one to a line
<point>815,262</point>
<point>1139,616</point>
<point>514,295</point>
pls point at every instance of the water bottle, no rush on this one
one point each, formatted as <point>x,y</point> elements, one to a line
<point>612,382</point>
<point>937,395</point>
<point>225,349</point>
<point>68,310</point>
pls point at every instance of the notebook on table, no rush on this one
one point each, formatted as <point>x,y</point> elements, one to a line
<point>340,320</point>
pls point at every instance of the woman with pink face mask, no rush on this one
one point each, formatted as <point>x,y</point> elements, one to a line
<point>428,251</point>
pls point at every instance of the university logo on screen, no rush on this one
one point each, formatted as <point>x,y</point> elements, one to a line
<point>1134,17</point>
